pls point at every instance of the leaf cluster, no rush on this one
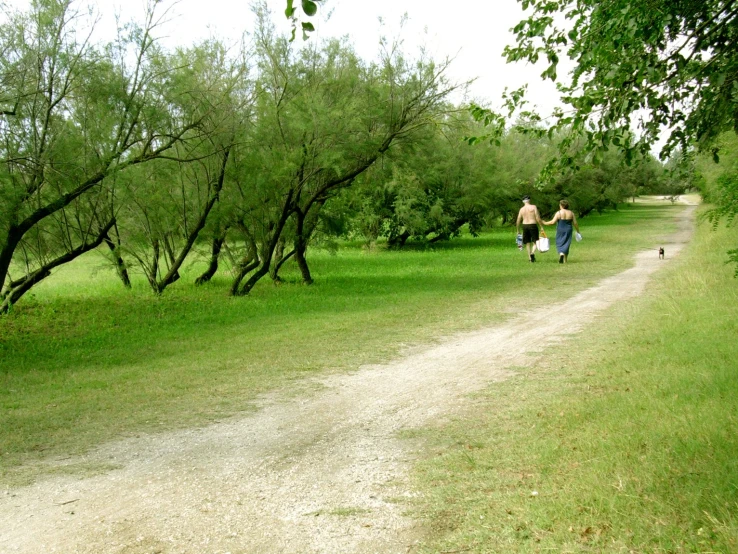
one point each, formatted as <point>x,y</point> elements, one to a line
<point>659,66</point>
<point>308,8</point>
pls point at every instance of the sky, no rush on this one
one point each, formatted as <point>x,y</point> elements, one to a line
<point>472,32</point>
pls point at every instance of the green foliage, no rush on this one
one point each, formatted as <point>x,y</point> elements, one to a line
<point>162,206</point>
<point>323,117</point>
<point>667,66</point>
<point>426,191</point>
<point>80,115</point>
<point>719,184</point>
<point>423,190</point>
<point>309,8</point>
<point>719,181</point>
<point>251,155</point>
<point>143,149</point>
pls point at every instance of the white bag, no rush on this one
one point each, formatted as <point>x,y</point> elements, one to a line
<point>542,243</point>
<point>578,237</point>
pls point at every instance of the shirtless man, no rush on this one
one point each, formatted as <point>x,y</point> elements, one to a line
<point>531,219</point>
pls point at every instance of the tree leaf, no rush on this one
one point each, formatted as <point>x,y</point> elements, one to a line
<point>310,8</point>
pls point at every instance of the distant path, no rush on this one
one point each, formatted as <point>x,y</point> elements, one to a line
<point>316,474</point>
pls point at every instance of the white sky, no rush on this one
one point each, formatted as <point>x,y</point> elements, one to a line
<point>474,32</point>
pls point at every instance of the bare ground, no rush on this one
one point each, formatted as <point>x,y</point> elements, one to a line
<point>321,473</point>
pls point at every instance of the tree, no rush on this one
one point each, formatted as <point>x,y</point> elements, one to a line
<point>398,100</point>
<point>323,118</point>
<point>508,169</point>
<point>425,190</point>
<point>661,65</point>
<point>719,184</point>
<point>165,204</point>
<point>73,116</point>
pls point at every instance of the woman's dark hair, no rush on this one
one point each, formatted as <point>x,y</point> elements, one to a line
<point>564,204</point>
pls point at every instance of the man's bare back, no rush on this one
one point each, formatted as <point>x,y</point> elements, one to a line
<point>529,214</point>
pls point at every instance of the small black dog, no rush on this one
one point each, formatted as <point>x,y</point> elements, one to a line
<point>661,253</point>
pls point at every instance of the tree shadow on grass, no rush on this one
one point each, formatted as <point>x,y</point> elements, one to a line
<point>119,327</point>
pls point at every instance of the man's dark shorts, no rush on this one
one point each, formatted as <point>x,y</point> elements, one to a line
<point>530,232</point>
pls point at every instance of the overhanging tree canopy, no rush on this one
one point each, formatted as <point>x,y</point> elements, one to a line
<point>656,65</point>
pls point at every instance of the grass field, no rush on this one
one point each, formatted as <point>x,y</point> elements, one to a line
<point>83,361</point>
<point>623,440</point>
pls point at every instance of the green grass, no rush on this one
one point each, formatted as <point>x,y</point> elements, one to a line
<point>83,361</point>
<point>628,435</point>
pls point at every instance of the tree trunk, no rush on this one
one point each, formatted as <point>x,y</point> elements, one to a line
<point>301,247</point>
<point>453,228</point>
<point>249,262</point>
<point>172,263</point>
<point>302,264</point>
<point>307,222</point>
<point>153,273</point>
<point>255,278</point>
<point>214,257</point>
<point>120,265</point>
<point>173,273</point>
<point>585,213</point>
<point>276,267</point>
<point>268,253</point>
<point>398,241</point>
<point>18,288</point>
<point>277,262</point>
<point>6,254</point>
<point>247,265</point>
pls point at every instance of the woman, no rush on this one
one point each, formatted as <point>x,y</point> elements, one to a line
<point>564,232</point>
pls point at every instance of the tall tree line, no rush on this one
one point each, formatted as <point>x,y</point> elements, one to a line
<point>154,156</point>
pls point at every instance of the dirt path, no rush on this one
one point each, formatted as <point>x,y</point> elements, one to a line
<point>323,473</point>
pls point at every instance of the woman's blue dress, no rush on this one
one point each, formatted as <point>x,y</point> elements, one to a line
<point>564,233</point>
